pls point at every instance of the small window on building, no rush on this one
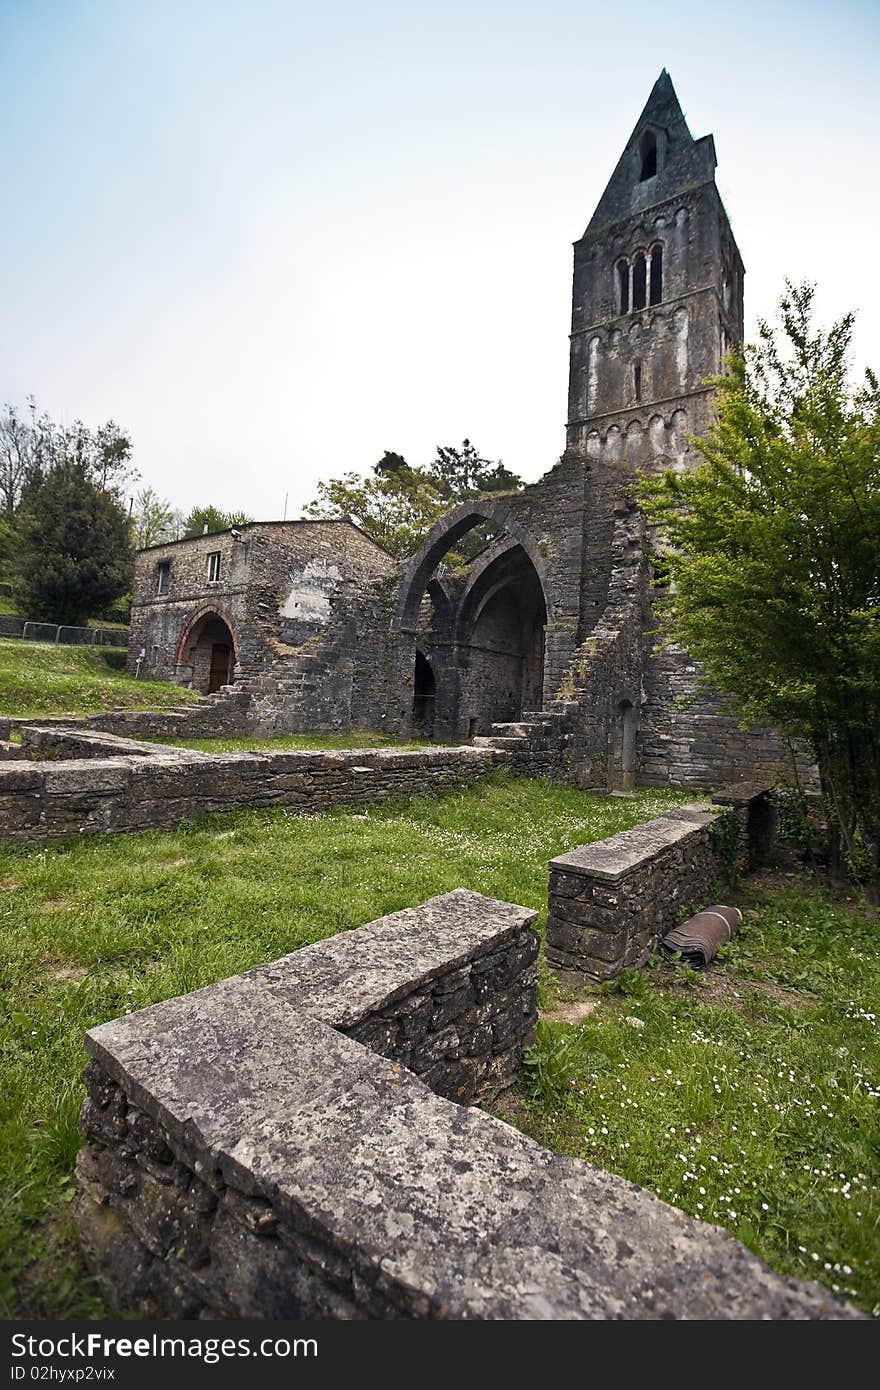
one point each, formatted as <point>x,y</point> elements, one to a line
<point>622,287</point>
<point>213,566</point>
<point>656,274</point>
<point>163,576</point>
<point>648,151</point>
<point>640,281</point>
<point>637,382</point>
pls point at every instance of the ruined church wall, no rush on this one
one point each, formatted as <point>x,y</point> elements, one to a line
<point>686,739</point>
<point>308,613</point>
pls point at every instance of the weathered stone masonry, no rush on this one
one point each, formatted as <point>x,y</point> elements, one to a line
<point>611,901</point>
<point>294,606</point>
<point>248,1156</point>
<point>86,796</point>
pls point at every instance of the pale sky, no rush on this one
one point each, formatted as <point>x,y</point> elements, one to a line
<point>275,239</point>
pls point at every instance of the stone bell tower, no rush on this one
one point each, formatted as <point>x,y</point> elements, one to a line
<point>657,299</point>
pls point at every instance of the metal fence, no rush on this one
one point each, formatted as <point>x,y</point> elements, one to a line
<point>75,636</point>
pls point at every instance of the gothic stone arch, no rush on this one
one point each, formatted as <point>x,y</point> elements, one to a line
<point>515,548</point>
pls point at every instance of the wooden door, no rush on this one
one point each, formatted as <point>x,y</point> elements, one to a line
<point>220,653</point>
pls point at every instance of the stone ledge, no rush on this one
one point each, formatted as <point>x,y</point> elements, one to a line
<point>248,1160</point>
<point>339,981</point>
<point>612,859</point>
<point>610,901</point>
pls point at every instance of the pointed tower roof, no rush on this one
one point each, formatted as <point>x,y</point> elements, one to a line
<point>679,161</point>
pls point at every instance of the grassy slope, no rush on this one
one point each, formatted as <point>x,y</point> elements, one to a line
<point>95,927</point>
<point>38,678</point>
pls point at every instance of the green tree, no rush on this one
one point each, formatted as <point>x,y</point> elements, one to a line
<point>773,547</point>
<point>103,454</point>
<point>31,443</point>
<point>75,553</point>
<point>153,519</point>
<point>28,445</point>
<point>397,503</point>
<point>8,550</point>
<point>208,520</point>
<point>462,473</point>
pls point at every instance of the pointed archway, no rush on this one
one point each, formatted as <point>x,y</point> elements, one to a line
<point>448,644</point>
<point>424,696</point>
<point>501,634</point>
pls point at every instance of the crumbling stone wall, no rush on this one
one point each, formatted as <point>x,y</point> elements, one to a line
<point>299,600</point>
<point>41,741</point>
<point>550,631</point>
<point>45,800</point>
<point>611,901</point>
<point>315,1178</point>
<point>686,739</point>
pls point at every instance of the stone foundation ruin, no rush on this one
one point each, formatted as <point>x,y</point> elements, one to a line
<point>287,1144</point>
<point>120,786</point>
<point>611,901</point>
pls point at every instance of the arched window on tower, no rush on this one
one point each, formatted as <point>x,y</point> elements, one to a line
<point>648,152</point>
<point>656,275</point>
<point>640,280</point>
<point>622,287</point>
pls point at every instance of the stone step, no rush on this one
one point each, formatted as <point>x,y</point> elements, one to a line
<point>498,741</point>
<point>547,718</point>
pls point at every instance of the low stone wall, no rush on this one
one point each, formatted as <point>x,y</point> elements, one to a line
<point>610,901</point>
<point>47,741</point>
<point>224,713</point>
<point>42,800</point>
<point>248,1156</point>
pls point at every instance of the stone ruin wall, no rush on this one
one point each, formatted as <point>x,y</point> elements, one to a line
<point>353,662</point>
<point>145,788</point>
<point>306,603</point>
<point>328,1174</point>
<point>610,902</point>
<point>686,739</point>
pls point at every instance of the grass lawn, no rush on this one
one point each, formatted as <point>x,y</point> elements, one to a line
<point>39,678</point>
<point>747,1095</point>
<point>355,738</point>
<point>93,927</point>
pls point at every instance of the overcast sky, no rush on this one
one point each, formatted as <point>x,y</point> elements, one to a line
<point>274,240</point>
